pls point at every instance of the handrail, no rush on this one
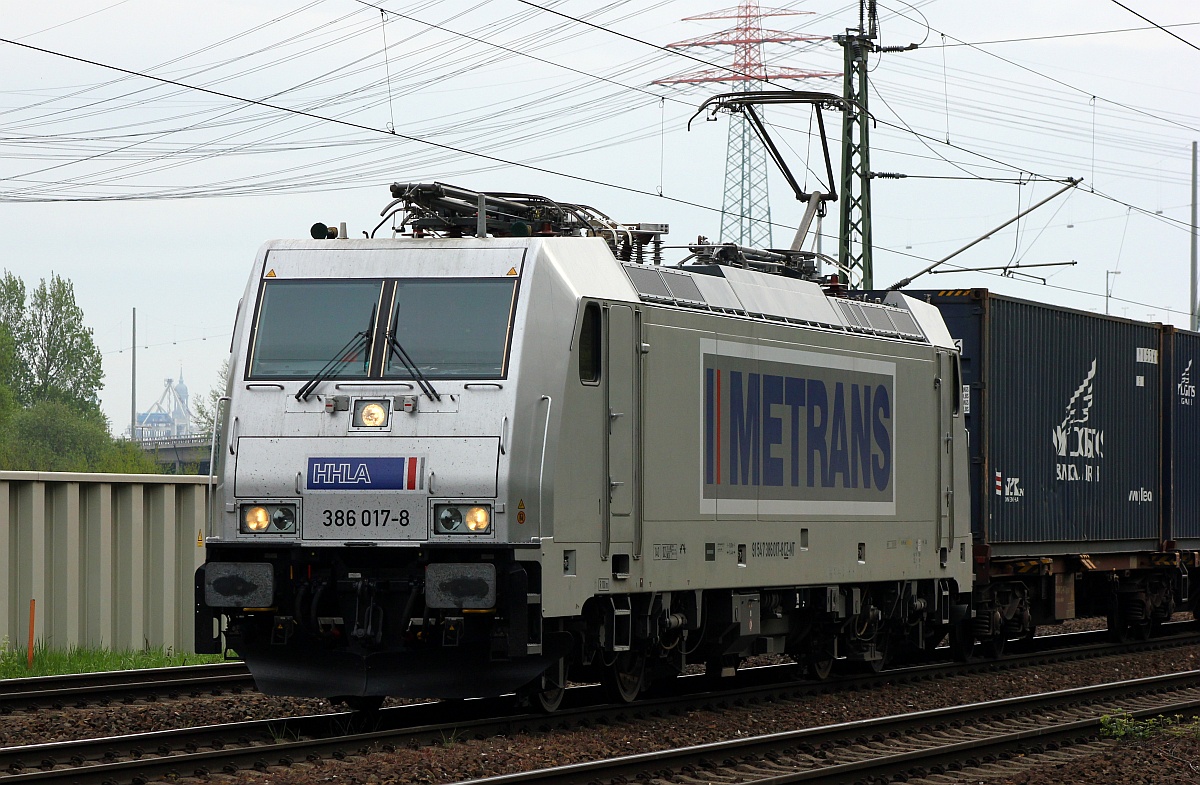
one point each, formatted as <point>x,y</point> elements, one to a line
<point>504,436</point>
<point>542,468</point>
<point>212,460</point>
<point>233,436</point>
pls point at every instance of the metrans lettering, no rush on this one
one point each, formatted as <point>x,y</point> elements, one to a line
<point>784,431</point>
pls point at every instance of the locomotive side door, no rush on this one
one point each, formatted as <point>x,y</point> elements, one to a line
<point>621,348</point>
<point>949,392</point>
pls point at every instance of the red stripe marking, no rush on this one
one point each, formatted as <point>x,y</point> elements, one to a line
<point>412,474</point>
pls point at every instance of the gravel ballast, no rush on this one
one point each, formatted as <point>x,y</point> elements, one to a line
<point>1159,760</point>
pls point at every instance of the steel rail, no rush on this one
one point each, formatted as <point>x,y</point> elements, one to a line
<point>778,751</point>
<point>72,689</point>
<point>184,752</point>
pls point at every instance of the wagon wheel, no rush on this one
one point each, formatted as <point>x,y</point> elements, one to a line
<point>993,648</point>
<point>626,677</point>
<point>963,646</point>
<point>1124,630</point>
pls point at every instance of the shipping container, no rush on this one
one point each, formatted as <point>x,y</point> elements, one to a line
<point>1063,411</point>
<point>1181,494</point>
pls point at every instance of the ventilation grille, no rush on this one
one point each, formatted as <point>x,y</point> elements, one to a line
<point>658,285</point>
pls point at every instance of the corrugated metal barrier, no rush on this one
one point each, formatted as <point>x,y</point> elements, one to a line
<point>109,558</point>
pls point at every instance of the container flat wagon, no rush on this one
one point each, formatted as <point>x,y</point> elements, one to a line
<point>1181,438</point>
<point>1065,413</point>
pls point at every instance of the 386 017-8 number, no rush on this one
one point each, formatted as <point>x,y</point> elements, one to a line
<point>364,518</point>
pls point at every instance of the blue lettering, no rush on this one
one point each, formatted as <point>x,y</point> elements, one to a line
<point>769,431</point>
<point>881,411</point>
<point>860,435</point>
<point>793,396</point>
<point>839,456</point>
<point>772,395</point>
<point>744,429</point>
<point>818,424</point>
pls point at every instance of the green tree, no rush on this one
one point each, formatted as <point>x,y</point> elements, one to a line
<point>12,332</point>
<point>62,361</point>
<point>53,355</point>
<point>54,436</point>
<point>205,409</point>
<point>50,379</point>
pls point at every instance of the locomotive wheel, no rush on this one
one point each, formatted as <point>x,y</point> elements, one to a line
<point>362,704</point>
<point>548,700</point>
<point>877,665</point>
<point>820,665</point>
<point>819,669</point>
<point>819,657</point>
<point>547,691</point>
<point>626,677</point>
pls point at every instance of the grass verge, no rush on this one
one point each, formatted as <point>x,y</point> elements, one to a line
<point>48,661</point>
<point>1123,727</point>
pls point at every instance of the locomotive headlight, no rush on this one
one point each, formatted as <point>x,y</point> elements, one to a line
<point>284,519</point>
<point>478,519</point>
<point>449,519</point>
<point>268,519</point>
<point>462,519</point>
<point>255,519</point>
<point>370,414</point>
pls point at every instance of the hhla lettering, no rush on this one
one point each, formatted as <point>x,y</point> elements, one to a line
<point>323,473</point>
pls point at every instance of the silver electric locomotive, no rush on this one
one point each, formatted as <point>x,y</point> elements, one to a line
<point>510,446</point>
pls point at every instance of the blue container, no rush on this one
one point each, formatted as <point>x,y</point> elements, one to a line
<point>1064,422</point>
<point>1181,443</point>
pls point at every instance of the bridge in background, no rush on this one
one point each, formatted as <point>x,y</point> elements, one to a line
<point>179,454</point>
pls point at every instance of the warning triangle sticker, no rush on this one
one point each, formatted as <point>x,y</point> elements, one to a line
<point>511,271</point>
<point>199,539</point>
<point>271,273</point>
<point>521,504</point>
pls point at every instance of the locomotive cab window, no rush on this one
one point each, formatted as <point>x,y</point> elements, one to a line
<point>589,345</point>
<point>303,326</point>
<point>451,328</point>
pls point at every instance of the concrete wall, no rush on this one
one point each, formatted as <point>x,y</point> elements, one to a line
<point>109,558</point>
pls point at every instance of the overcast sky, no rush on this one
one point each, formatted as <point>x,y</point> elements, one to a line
<point>153,194</point>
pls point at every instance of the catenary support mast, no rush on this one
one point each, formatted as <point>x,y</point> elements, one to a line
<point>746,209</point>
<point>854,248</point>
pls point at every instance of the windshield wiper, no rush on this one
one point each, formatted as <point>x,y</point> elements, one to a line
<point>358,342</point>
<point>397,351</point>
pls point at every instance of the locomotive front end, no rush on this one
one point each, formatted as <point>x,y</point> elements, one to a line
<point>361,541</point>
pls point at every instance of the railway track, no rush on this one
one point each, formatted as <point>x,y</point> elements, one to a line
<point>84,689</point>
<point>91,689</point>
<point>952,742</point>
<point>286,741</point>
